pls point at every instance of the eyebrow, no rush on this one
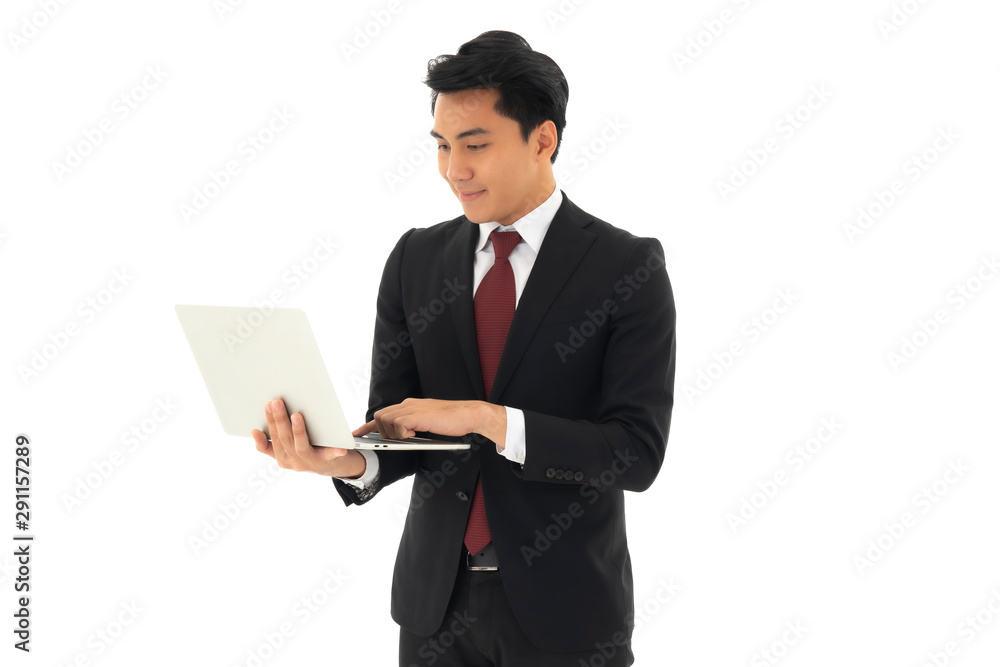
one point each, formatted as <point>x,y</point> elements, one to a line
<point>468,133</point>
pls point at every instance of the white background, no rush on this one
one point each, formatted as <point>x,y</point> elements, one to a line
<point>649,140</point>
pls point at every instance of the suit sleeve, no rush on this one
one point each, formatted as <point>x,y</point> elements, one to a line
<point>394,375</point>
<point>624,445</point>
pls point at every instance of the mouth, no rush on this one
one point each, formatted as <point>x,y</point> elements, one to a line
<point>469,196</point>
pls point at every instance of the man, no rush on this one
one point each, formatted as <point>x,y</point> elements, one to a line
<point>542,336</point>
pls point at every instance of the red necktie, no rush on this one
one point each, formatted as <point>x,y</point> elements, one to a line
<point>494,307</point>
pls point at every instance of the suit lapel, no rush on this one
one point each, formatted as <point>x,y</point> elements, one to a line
<point>564,245</point>
<point>460,248</point>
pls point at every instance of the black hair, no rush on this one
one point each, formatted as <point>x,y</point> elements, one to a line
<point>532,88</point>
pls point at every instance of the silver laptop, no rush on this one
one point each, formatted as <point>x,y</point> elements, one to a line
<point>249,356</point>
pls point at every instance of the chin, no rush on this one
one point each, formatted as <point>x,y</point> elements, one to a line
<point>475,213</point>
<point>472,217</point>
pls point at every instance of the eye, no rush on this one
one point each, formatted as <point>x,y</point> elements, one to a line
<point>476,147</point>
<point>440,146</point>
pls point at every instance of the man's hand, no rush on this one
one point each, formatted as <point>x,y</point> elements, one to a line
<point>289,446</point>
<point>431,415</point>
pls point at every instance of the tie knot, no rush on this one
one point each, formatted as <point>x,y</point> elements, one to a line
<point>504,242</point>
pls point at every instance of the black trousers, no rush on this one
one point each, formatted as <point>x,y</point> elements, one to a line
<point>480,630</point>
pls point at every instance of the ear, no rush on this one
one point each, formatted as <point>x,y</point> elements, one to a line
<point>544,138</point>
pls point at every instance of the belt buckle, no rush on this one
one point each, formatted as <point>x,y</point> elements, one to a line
<point>476,568</point>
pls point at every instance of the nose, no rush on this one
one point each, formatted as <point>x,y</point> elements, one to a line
<point>456,166</point>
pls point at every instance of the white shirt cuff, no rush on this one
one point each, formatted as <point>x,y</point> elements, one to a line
<point>514,447</point>
<point>371,469</point>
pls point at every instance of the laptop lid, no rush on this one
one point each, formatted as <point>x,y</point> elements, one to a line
<point>248,357</point>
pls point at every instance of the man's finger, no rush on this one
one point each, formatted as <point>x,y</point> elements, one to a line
<point>281,431</point>
<point>384,429</point>
<point>390,422</point>
<point>383,419</point>
<point>272,428</point>
<point>260,441</point>
<point>300,438</point>
<point>365,428</point>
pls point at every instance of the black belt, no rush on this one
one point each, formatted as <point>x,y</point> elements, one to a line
<point>484,560</point>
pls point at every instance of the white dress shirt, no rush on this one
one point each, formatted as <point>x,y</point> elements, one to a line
<point>532,228</point>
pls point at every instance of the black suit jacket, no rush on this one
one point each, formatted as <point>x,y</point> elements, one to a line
<point>589,358</point>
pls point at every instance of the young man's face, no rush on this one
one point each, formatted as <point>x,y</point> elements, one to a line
<point>493,172</point>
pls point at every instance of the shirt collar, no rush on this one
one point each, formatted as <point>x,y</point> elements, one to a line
<point>532,226</point>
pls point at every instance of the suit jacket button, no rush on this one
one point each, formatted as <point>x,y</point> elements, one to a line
<point>578,476</point>
<point>550,473</point>
<point>461,496</point>
<point>560,474</point>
